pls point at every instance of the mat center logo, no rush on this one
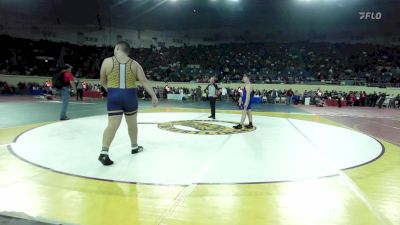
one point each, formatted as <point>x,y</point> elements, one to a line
<point>202,127</point>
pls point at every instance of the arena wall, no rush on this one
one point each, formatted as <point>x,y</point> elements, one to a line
<point>14,79</point>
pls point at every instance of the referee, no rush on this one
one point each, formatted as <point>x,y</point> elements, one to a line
<point>212,90</point>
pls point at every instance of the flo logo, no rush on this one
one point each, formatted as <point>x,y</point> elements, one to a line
<point>202,127</point>
<point>370,15</point>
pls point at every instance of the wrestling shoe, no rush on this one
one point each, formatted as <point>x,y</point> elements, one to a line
<point>237,127</point>
<point>105,160</point>
<point>137,149</point>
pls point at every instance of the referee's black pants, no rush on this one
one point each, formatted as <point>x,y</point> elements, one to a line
<point>212,105</point>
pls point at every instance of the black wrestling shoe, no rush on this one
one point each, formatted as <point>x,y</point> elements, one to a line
<point>210,116</point>
<point>65,118</point>
<point>137,150</point>
<point>250,126</point>
<point>237,127</point>
<point>105,160</point>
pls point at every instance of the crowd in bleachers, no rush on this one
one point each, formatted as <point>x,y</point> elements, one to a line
<point>23,88</point>
<point>267,63</point>
<point>353,98</point>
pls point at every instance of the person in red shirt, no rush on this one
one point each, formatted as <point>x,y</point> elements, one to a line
<point>65,91</point>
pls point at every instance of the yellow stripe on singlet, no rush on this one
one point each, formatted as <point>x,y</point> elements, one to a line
<point>121,75</point>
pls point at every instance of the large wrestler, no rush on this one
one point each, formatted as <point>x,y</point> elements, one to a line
<point>118,75</point>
